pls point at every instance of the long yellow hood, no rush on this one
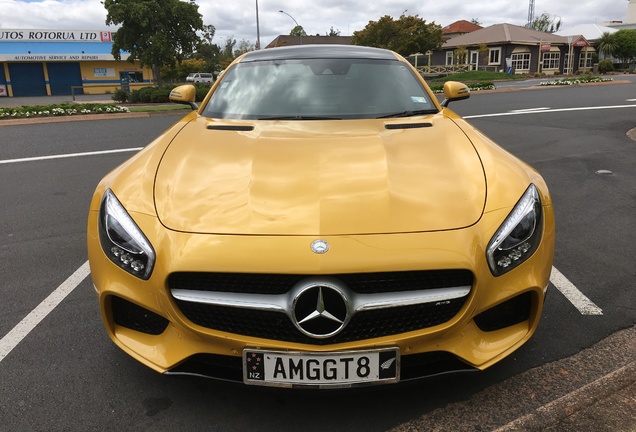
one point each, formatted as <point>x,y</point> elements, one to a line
<point>320,178</point>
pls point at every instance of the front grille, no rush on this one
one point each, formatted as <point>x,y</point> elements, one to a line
<point>277,326</point>
<point>363,325</point>
<point>134,317</point>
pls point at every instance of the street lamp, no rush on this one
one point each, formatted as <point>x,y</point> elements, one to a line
<point>297,25</point>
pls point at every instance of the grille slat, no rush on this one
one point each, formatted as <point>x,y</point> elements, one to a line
<point>363,283</point>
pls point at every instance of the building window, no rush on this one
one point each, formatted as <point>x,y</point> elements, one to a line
<point>585,60</point>
<point>551,60</point>
<point>520,62</point>
<point>449,58</point>
<point>494,56</point>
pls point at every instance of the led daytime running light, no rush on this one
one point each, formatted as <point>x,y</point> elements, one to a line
<point>518,236</point>
<point>122,240</point>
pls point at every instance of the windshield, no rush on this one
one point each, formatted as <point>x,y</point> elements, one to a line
<point>317,89</point>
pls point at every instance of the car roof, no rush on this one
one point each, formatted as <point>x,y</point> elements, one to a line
<point>319,51</point>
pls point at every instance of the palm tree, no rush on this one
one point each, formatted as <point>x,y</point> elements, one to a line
<point>607,44</point>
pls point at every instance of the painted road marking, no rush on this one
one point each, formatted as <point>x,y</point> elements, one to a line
<point>528,110</point>
<point>24,327</point>
<point>576,297</point>
<point>522,112</point>
<point>69,155</point>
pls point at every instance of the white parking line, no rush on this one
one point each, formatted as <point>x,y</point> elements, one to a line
<point>69,155</point>
<point>20,331</point>
<point>527,110</point>
<point>524,112</point>
<point>576,297</point>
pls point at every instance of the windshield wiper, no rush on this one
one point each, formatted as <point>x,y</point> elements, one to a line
<point>409,113</point>
<point>299,117</point>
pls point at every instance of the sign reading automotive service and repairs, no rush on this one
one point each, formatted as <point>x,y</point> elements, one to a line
<point>18,35</point>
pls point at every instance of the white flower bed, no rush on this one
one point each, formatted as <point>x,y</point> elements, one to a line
<point>574,81</point>
<point>28,112</point>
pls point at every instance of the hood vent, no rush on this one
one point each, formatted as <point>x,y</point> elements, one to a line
<point>237,128</point>
<point>408,125</point>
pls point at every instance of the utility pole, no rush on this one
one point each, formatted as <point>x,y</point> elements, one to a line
<point>258,29</point>
<point>530,14</point>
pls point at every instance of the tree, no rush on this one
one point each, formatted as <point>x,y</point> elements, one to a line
<point>178,72</point>
<point>298,31</point>
<point>483,51</point>
<point>243,47</point>
<point>155,32</point>
<point>208,33</point>
<point>625,45</point>
<point>607,44</point>
<point>475,21</point>
<point>546,23</point>
<point>406,35</point>
<point>207,50</point>
<point>333,32</point>
<point>460,55</point>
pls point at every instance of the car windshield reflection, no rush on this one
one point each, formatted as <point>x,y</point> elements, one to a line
<point>316,89</point>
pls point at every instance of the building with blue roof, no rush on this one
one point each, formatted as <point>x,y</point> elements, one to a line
<point>36,62</point>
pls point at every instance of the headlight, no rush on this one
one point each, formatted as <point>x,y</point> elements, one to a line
<point>122,240</point>
<point>519,236</point>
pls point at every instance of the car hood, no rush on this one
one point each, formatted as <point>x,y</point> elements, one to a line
<point>320,177</point>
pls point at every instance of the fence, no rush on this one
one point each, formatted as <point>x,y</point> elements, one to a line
<point>111,87</point>
<point>451,69</point>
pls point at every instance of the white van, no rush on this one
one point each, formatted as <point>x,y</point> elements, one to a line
<point>200,77</point>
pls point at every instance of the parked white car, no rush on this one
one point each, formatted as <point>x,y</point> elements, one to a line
<point>200,77</point>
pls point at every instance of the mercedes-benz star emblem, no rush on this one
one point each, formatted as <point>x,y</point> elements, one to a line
<point>320,311</point>
<point>319,246</point>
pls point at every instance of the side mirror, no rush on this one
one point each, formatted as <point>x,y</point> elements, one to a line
<point>185,94</point>
<point>455,91</point>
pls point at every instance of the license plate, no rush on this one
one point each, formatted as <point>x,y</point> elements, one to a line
<point>333,369</point>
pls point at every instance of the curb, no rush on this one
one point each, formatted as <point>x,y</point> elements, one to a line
<point>574,402</point>
<point>87,117</point>
<point>591,390</point>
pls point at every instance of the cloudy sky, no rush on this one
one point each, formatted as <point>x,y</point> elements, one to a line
<point>237,18</point>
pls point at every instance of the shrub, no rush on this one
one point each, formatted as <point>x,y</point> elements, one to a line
<point>605,66</point>
<point>121,96</point>
<point>202,91</point>
<point>160,95</point>
<point>483,85</point>
<point>145,94</point>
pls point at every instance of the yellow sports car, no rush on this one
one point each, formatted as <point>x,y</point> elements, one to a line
<point>321,220</point>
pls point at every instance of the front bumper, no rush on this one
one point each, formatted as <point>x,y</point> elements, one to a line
<point>496,317</point>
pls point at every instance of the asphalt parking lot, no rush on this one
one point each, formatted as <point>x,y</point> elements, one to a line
<point>591,389</point>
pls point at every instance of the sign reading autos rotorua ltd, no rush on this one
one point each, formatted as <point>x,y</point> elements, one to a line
<point>41,45</point>
<point>18,35</point>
